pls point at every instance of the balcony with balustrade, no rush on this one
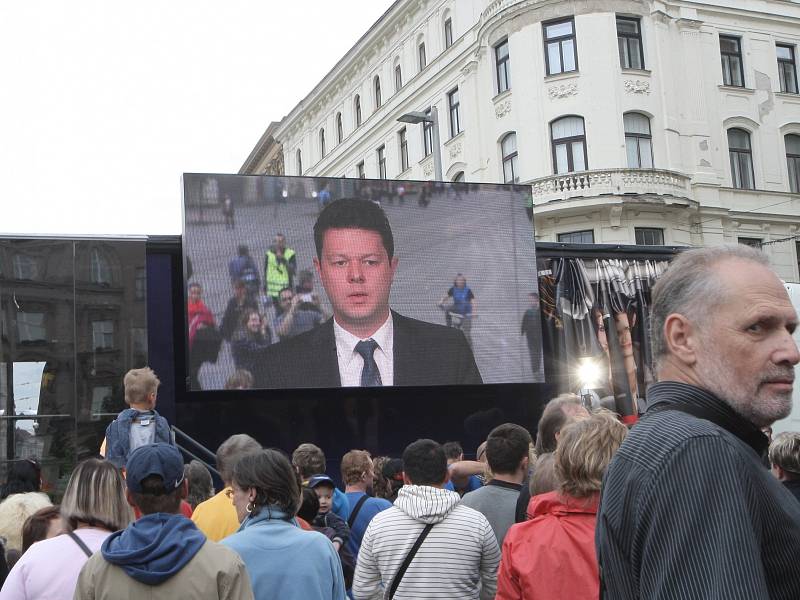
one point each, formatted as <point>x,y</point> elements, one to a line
<point>670,186</point>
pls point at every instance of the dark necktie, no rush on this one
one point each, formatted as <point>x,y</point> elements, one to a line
<point>370,376</point>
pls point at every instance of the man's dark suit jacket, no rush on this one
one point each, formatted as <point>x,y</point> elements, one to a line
<point>424,354</point>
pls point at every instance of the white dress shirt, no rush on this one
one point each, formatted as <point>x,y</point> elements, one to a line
<point>350,362</point>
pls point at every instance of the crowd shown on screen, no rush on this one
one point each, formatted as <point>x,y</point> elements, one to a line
<point>267,306</point>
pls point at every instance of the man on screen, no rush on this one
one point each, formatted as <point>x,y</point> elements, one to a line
<point>365,343</point>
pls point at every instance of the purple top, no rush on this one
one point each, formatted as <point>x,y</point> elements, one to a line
<point>49,569</point>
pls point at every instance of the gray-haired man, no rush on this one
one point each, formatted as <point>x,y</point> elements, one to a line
<point>687,508</point>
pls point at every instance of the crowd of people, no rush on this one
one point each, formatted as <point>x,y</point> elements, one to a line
<point>266,306</point>
<point>694,501</point>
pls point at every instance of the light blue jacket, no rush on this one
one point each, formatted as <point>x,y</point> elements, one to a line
<point>286,562</point>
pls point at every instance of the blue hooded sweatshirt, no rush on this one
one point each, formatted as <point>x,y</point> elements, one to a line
<point>154,548</point>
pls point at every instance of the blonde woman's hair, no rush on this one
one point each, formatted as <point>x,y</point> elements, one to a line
<point>140,383</point>
<point>95,495</point>
<point>585,448</point>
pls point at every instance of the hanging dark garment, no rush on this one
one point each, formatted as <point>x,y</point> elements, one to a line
<point>611,305</point>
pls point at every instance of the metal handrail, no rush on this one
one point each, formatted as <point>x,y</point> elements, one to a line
<point>198,446</point>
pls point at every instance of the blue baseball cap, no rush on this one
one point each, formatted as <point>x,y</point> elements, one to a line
<point>159,459</point>
<point>319,480</point>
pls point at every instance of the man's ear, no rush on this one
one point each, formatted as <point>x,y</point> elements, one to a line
<point>184,493</point>
<point>315,260</point>
<point>393,264</point>
<point>129,498</point>
<point>680,336</point>
<point>524,463</point>
<point>406,480</point>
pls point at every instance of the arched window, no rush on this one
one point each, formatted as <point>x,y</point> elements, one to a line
<point>638,141</point>
<point>322,143</point>
<point>377,85</point>
<point>100,267</point>
<point>508,148</point>
<point>448,32</point>
<point>569,145</point>
<point>398,77</point>
<point>357,110</point>
<point>422,55</point>
<point>299,158</point>
<point>741,155</point>
<point>339,128</point>
<point>793,161</point>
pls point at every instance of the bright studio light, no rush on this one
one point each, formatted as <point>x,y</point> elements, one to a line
<point>588,372</point>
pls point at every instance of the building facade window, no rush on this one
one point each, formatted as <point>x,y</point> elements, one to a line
<point>103,335</point>
<point>787,68</point>
<point>403,139</point>
<point>381,162</point>
<point>793,161</point>
<point>649,236</point>
<point>31,327</point>
<point>741,155</point>
<point>357,110</point>
<point>638,141</point>
<point>423,59</point>
<point>629,40</point>
<point>750,241</point>
<point>398,78</point>
<point>508,149</point>
<point>448,33</point>
<point>503,65</point>
<point>100,268</point>
<point>322,143</point>
<point>797,255</point>
<point>730,49</point>
<point>560,50</point>
<point>454,105</point>
<point>339,128</point>
<point>427,135</point>
<point>25,267</point>
<point>585,236</point>
<point>299,160</point>
<point>360,171</point>
<point>568,139</point>
<point>459,177</point>
<point>377,86</point>
<point>140,283</point>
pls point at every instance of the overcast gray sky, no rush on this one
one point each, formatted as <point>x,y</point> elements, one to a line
<point>105,103</point>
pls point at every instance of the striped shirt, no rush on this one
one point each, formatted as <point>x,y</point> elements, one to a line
<point>688,509</point>
<point>458,559</point>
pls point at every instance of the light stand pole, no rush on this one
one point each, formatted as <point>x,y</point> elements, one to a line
<point>433,118</point>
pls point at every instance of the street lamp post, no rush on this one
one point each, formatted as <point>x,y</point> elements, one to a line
<point>433,118</point>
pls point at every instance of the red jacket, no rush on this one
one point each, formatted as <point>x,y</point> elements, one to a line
<point>199,316</point>
<point>552,556</point>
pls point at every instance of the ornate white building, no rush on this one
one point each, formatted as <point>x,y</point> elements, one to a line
<point>635,121</point>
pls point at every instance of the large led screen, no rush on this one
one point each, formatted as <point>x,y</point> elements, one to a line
<point>301,282</point>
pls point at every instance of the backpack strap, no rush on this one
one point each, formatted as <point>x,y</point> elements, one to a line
<point>409,557</point>
<point>356,508</point>
<point>80,543</point>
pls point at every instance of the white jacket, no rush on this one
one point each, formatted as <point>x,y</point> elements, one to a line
<point>458,559</point>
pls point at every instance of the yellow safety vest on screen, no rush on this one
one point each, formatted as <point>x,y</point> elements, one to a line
<point>277,275</point>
